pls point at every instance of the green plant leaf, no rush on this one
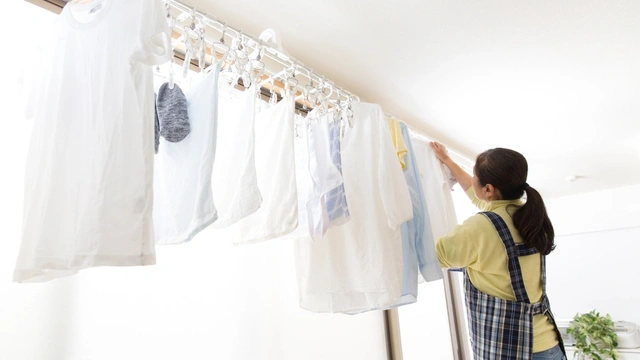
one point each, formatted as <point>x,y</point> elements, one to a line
<point>594,335</point>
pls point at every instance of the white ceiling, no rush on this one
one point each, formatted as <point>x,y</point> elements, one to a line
<point>558,81</point>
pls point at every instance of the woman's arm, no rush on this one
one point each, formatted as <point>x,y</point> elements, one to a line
<point>462,177</point>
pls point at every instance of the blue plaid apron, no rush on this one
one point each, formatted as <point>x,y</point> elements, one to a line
<point>503,329</point>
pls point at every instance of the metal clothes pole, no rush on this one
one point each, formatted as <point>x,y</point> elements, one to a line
<point>455,311</point>
<point>392,334</point>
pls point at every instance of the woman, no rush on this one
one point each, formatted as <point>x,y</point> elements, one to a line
<point>502,251</point>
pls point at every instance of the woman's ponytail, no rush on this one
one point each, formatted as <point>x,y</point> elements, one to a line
<point>534,224</point>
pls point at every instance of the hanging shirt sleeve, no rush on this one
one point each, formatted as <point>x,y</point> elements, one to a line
<point>393,186</point>
<point>154,42</point>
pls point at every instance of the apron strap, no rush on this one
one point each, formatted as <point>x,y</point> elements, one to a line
<point>513,252</point>
<point>523,250</point>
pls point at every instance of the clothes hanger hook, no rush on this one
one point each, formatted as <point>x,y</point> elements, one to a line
<point>224,32</point>
<point>193,18</point>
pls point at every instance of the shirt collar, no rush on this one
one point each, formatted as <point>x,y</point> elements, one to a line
<point>501,203</point>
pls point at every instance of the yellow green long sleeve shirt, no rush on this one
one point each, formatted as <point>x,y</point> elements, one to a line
<point>398,141</point>
<point>475,244</point>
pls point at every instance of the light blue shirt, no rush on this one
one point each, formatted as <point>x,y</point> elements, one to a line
<point>336,200</point>
<point>416,233</point>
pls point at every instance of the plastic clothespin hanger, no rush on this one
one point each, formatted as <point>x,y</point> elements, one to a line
<point>171,22</point>
<point>243,61</point>
<point>337,113</point>
<point>309,92</point>
<point>219,45</point>
<point>256,67</point>
<point>188,34</point>
<point>171,79</point>
<point>350,114</point>
<point>202,46</point>
<point>322,96</point>
<point>290,81</point>
<point>274,97</point>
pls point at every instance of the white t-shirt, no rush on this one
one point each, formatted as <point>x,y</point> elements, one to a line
<point>183,201</point>
<point>275,169</point>
<point>89,172</point>
<point>358,266</point>
<point>234,180</point>
<point>437,192</point>
<point>304,182</point>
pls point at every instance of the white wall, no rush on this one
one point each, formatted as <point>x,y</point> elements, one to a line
<point>204,300</point>
<point>596,263</point>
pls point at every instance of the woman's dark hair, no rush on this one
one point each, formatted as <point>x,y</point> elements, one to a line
<point>507,171</point>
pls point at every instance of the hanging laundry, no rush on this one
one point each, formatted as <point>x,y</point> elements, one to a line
<point>325,176</point>
<point>321,200</point>
<point>234,180</point>
<point>336,199</point>
<point>89,172</point>
<point>156,124</point>
<point>418,248</point>
<point>398,141</point>
<point>304,183</point>
<point>418,229</point>
<point>183,200</point>
<point>442,215</point>
<point>451,180</point>
<point>171,106</point>
<point>358,266</point>
<point>409,229</point>
<point>275,170</point>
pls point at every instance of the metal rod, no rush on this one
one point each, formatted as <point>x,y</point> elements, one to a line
<point>455,312</point>
<point>392,334</point>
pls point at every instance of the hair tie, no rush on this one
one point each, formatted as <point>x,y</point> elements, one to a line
<point>525,186</point>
